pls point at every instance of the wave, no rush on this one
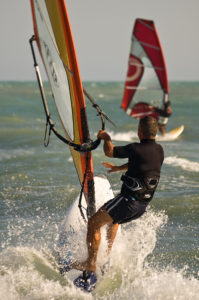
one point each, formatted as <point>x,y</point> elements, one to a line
<point>7,154</point>
<point>183,163</point>
<point>31,273</point>
<point>128,136</point>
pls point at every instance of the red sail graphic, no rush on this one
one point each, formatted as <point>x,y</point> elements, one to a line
<point>146,67</point>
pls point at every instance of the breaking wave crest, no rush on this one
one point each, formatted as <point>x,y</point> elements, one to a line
<point>183,163</point>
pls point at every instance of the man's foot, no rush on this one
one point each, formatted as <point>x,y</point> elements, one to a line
<point>86,281</point>
<point>83,266</point>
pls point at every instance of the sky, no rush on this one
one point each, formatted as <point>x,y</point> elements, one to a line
<point>102,33</point>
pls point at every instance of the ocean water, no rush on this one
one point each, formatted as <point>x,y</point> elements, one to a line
<point>155,257</point>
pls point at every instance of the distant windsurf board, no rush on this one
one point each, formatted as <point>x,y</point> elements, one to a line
<point>171,135</point>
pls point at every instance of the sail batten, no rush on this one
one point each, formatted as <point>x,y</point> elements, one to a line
<point>141,66</point>
<point>150,46</point>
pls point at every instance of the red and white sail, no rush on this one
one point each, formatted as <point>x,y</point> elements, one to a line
<point>146,81</point>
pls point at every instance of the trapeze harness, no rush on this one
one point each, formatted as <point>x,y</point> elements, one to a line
<point>142,177</point>
<point>163,116</point>
<point>140,189</point>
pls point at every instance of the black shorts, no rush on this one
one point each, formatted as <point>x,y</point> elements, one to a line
<point>123,209</point>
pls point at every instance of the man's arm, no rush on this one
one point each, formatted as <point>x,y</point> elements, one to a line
<point>114,168</point>
<point>108,145</point>
<point>162,112</point>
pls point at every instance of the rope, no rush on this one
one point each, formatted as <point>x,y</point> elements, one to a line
<point>86,147</point>
<point>81,192</point>
<point>51,127</point>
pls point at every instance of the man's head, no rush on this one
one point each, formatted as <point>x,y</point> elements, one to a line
<point>147,128</point>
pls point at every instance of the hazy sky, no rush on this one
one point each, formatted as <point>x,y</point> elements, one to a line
<point>102,31</point>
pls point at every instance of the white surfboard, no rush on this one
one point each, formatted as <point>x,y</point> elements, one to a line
<point>171,135</point>
<point>72,238</point>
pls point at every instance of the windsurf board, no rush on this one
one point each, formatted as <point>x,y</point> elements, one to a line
<point>171,135</point>
<point>71,244</point>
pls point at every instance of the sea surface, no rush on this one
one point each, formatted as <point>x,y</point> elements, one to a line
<point>156,257</point>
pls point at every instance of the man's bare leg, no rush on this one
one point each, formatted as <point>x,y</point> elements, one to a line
<point>162,130</point>
<point>110,235</point>
<point>99,219</point>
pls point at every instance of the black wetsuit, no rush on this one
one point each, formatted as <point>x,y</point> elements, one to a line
<point>144,164</point>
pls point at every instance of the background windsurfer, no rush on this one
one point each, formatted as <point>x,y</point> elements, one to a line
<point>139,185</point>
<point>147,78</point>
<point>164,115</point>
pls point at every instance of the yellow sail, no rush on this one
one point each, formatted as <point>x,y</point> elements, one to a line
<point>55,42</point>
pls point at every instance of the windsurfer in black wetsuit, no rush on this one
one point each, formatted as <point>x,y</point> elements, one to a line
<point>139,184</point>
<point>164,114</point>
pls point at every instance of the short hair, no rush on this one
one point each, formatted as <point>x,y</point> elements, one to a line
<point>148,126</point>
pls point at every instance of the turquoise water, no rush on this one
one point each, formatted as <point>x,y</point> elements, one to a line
<point>157,256</point>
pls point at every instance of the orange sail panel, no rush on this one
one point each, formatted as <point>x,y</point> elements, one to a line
<point>56,46</point>
<point>146,81</point>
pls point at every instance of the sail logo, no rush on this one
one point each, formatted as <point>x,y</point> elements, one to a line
<point>51,64</point>
<point>135,69</point>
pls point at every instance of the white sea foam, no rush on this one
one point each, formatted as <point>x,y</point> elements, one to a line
<point>183,163</point>
<point>130,277</point>
<point>128,136</point>
<point>7,154</point>
<point>70,159</point>
<point>30,273</point>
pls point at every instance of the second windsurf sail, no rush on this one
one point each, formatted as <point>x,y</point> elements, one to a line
<point>146,81</point>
